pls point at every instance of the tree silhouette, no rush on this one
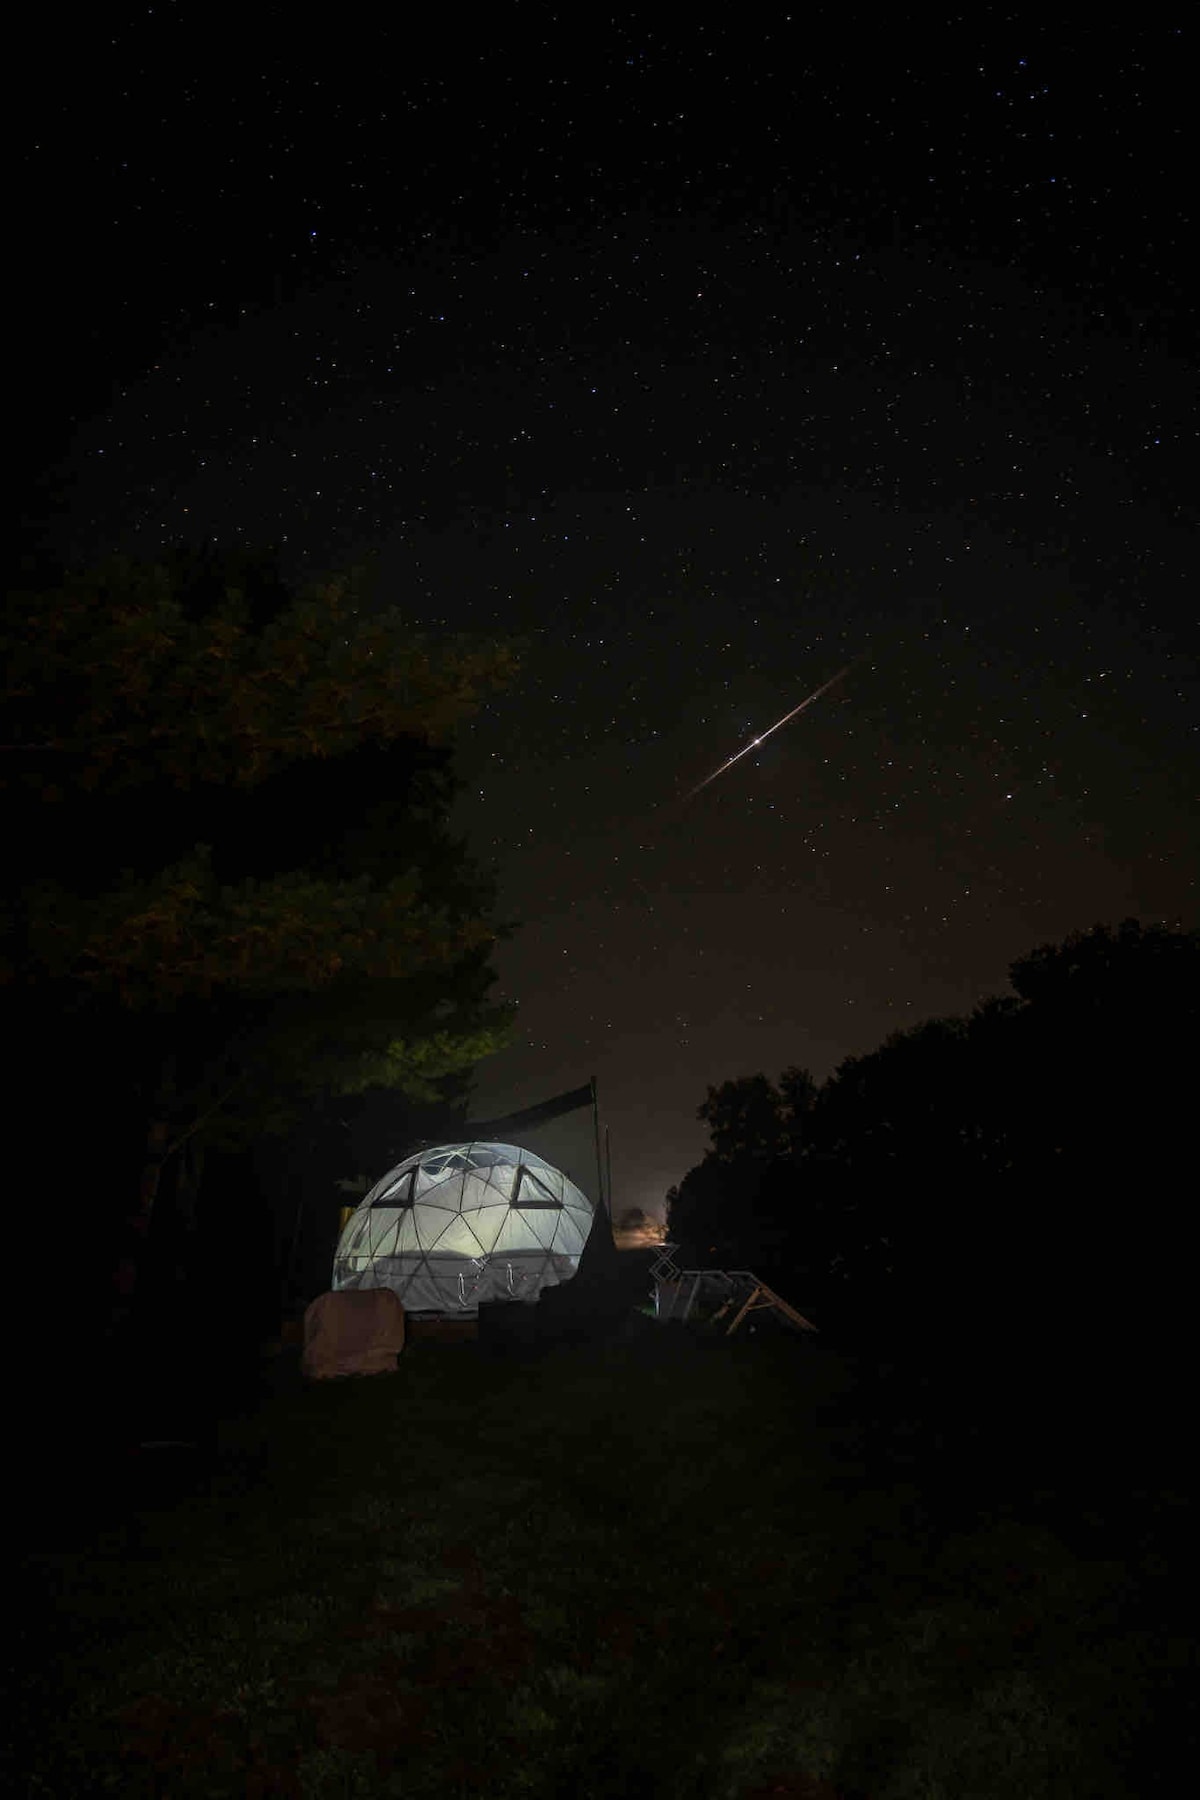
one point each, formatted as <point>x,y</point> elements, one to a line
<point>232,886</point>
<point>992,1216</point>
<point>740,1207</point>
<point>1005,1181</point>
<point>744,1120</point>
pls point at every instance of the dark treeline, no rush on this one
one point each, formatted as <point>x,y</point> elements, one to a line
<point>995,1210</point>
<point>243,957</point>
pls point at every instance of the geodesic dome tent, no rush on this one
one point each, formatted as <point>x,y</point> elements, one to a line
<point>450,1227</point>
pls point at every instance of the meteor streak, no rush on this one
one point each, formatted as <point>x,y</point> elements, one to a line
<point>755,742</point>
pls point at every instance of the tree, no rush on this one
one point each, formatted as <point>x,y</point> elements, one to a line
<point>973,1171</point>
<point>744,1120</point>
<point>992,1215</point>
<point>739,1208</point>
<point>753,1117</point>
<point>797,1095</point>
<point>231,884</point>
<point>709,1216</point>
<point>1105,1031</point>
<point>1102,1017</point>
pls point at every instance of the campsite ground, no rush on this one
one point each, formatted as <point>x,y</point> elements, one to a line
<point>670,1565</point>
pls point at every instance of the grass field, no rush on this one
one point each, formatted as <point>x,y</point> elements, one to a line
<point>662,1566</point>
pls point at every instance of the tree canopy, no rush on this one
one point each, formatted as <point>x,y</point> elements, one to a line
<point>232,882</point>
<point>1020,1157</point>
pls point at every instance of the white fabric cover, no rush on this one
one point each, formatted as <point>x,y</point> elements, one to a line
<point>355,1333</point>
<point>470,1222</point>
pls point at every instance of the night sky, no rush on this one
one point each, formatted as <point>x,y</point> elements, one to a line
<point>703,360</point>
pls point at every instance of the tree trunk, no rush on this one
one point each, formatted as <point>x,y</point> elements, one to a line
<point>187,1191</point>
<point>155,1154</point>
<point>162,1142</point>
<point>138,1222</point>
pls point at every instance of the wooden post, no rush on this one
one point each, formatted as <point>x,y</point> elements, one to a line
<point>596,1132</point>
<point>762,1295</point>
<point>608,1168</point>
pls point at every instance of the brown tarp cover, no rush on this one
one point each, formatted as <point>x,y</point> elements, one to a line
<point>356,1331</point>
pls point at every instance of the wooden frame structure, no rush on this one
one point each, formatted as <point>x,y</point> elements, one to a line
<point>738,1285</point>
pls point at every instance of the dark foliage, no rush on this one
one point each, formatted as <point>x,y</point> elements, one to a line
<point>243,954</point>
<point>992,1210</point>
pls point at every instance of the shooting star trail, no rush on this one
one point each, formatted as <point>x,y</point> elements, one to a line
<point>779,723</point>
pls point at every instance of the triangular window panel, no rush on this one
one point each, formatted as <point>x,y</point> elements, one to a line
<point>530,1193</point>
<point>486,1159</point>
<point>400,1195</point>
<point>444,1165</point>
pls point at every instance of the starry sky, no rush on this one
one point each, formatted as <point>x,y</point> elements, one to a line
<point>702,360</point>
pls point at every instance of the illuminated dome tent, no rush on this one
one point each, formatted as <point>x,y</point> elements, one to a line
<point>450,1227</point>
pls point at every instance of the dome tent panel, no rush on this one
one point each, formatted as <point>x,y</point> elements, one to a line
<point>474,1222</point>
<point>463,1237</point>
<point>516,1231</point>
